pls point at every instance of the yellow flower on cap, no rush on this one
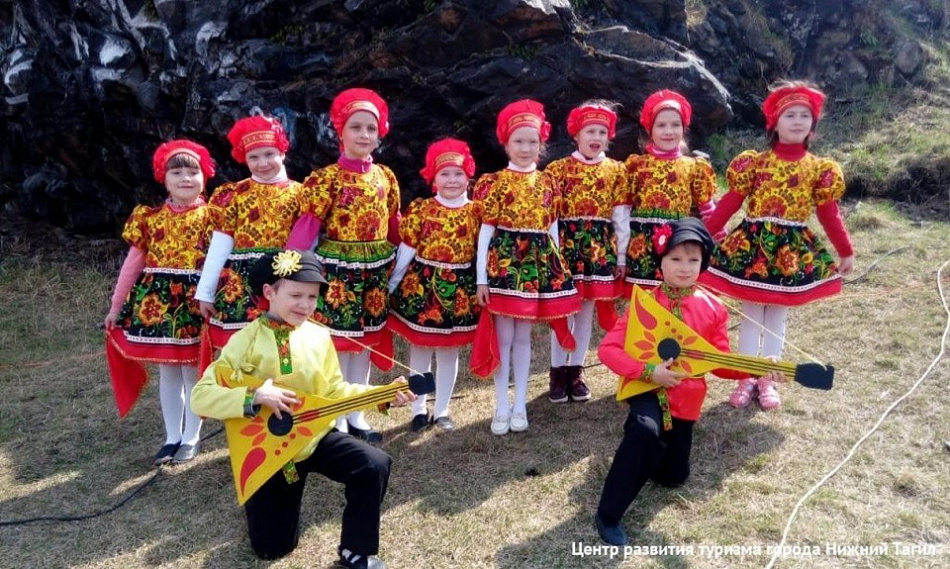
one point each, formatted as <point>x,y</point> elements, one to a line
<point>286,263</point>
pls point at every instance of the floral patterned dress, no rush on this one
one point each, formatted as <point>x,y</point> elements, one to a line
<point>160,321</point>
<point>660,190</point>
<point>435,304</point>
<point>259,218</point>
<point>527,276</point>
<point>589,193</point>
<point>355,209</point>
<point>772,257</point>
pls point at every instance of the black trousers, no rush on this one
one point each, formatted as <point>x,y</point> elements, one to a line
<point>273,512</point>
<point>646,451</point>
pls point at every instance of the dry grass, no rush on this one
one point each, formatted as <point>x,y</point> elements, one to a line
<point>469,499</point>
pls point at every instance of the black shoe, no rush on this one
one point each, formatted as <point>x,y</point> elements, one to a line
<point>368,435</point>
<point>354,561</point>
<point>420,422</point>
<point>165,454</point>
<point>185,453</point>
<point>444,423</point>
<point>614,535</point>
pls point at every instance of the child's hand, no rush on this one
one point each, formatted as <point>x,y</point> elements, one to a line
<point>666,377</point>
<point>207,309</point>
<point>846,265</point>
<point>481,292</point>
<point>403,397</point>
<point>109,322</point>
<point>620,270</point>
<point>278,399</point>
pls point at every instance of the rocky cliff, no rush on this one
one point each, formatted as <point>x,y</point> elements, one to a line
<point>91,87</point>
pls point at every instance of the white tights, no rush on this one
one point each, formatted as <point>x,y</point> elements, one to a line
<point>355,369</point>
<point>762,328</point>
<point>446,370</point>
<point>175,383</point>
<point>581,325</point>
<point>514,345</point>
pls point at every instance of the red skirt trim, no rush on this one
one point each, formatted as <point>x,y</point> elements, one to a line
<point>781,296</point>
<point>156,353</point>
<point>346,344</point>
<point>448,339</point>
<point>597,290</point>
<point>504,303</point>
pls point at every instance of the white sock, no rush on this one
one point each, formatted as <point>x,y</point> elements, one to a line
<point>446,372</point>
<point>505,330</point>
<point>521,364</point>
<point>582,327</point>
<point>750,330</point>
<point>420,359</point>
<point>358,372</point>
<point>171,394</point>
<point>192,430</point>
<point>773,337</point>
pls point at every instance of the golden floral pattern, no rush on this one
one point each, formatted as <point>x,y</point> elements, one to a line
<point>440,233</point>
<point>518,200</point>
<point>678,186</point>
<point>257,216</point>
<point>589,190</point>
<point>170,239</point>
<point>784,189</point>
<point>354,206</point>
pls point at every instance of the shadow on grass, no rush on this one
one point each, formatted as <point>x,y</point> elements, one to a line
<point>724,442</point>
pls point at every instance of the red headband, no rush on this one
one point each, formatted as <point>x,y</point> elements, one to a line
<point>358,99</point>
<point>519,114</point>
<point>780,100</point>
<point>444,153</point>
<point>172,148</point>
<point>591,114</point>
<point>256,132</point>
<point>662,101</point>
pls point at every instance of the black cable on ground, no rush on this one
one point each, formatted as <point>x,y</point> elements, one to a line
<point>135,491</point>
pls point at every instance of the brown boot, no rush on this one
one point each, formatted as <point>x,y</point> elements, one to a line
<point>575,383</point>
<point>558,385</point>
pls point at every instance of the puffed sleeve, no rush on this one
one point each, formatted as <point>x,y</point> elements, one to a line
<point>136,231</point>
<point>393,202</point>
<point>618,184</point>
<point>632,166</point>
<point>318,193</point>
<point>487,198</point>
<point>702,182</point>
<point>829,184</point>
<point>740,173</point>
<point>410,226</point>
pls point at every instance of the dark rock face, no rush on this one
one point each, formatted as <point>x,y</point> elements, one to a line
<point>91,88</point>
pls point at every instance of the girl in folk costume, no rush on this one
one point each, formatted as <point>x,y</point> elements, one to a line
<point>251,217</point>
<point>432,289</point>
<point>664,184</point>
<point>772,260</point>
<point>355,204</point>
<point>594,232</point>
<point>154,317</point>
<point>521,274</point>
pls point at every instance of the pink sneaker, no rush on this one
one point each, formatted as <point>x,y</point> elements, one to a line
<point>743,394</point>
<point>768,395</point>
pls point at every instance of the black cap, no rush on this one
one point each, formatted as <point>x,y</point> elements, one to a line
<point>290,264</point>
<point>691,229</point>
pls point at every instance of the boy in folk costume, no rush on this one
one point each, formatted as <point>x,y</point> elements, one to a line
<point>154,317</point>
<point>772,260</point>
<point>251,217</point>
<point>594,231</point>
<point>432,289</point>
<point>351,213</point>
<point>297,356</point>
<point>658,432</point>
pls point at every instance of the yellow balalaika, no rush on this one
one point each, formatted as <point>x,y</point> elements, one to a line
<point>261,446</point>
<point>655,335</point>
